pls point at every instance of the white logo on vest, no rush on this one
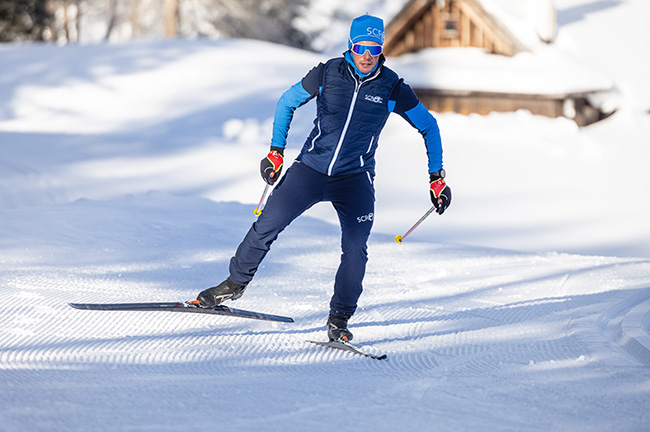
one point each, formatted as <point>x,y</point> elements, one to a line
<point>375,99</point>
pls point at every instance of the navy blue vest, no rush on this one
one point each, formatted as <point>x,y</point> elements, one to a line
<point>350,114</point>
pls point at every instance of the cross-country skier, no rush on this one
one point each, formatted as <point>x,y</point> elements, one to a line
<point>354,95</point>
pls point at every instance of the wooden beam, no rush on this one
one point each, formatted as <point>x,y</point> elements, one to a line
<point>465,30</point>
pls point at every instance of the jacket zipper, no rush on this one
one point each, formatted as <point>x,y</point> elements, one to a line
<point>357,87</point>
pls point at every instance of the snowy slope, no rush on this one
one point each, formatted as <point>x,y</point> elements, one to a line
<point>129,173</point>
<point>482,339</point>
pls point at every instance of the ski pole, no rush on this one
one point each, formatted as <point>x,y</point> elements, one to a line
<point>399,238</point>
<point>258,210</point>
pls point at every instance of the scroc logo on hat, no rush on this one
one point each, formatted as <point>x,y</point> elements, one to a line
<point>376,33</point>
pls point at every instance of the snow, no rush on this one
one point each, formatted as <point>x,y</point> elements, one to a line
<point>530,21</point>
<point>546,72</point>
<point>129,173</point>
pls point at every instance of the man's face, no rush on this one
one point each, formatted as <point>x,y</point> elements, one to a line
<point>365,62</point>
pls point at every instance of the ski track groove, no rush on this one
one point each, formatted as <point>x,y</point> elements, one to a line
<point>456,333</point>
<point>424,340</point>
<point>139,339</point>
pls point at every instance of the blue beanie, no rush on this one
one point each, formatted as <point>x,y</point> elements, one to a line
<point>366,28</point>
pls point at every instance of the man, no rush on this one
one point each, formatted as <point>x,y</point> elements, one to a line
<point>354,96</point>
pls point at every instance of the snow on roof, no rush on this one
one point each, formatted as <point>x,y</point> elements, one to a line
<point>542,70</point>
<point>545,72</point>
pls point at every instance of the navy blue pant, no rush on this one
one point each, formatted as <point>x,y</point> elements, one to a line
<point>352,196</point>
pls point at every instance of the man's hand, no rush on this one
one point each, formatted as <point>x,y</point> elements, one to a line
<point>271,166</point>
<point>440,192</point>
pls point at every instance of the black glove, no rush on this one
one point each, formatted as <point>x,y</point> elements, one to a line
<point>271,165</point>
<point>440,192</point>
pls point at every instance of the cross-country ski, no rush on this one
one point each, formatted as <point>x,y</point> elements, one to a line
<point>347,346</point>
<point>190,307</point>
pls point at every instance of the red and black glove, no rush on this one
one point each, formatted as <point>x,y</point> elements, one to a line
<point>271,165</point>
<point>440,192</point>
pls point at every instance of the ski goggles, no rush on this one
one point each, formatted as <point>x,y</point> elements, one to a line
<point>361,49</point>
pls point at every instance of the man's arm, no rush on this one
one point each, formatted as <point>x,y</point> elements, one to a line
<point>297,95</point>
<point>404,102</point>
<point>407,105</point>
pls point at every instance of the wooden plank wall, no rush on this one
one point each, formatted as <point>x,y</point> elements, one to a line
<point>581,111</point>
<point>422,24</point>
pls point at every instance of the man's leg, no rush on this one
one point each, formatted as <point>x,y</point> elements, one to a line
<point>299,189</point>
<point>354,201</point>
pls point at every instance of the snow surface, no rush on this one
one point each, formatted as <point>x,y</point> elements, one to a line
<point>129,173</point>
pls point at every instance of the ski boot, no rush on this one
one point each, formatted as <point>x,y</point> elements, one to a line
<point>226,290</point>
<point>337,329</point>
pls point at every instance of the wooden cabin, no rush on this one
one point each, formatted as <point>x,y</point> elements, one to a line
<point>448,23</point>
<point>465,23</point>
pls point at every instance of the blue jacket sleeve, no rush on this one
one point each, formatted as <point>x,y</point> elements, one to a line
<point>297,95</point>
<point>411,109</point>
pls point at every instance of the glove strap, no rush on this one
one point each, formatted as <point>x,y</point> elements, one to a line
<point>276,159</point>
<point>437,186</point>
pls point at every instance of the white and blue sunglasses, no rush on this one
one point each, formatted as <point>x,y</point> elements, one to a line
<point>361,49</point>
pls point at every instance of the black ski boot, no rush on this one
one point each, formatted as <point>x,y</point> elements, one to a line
<point>337,329</point>
<point>226,290</point>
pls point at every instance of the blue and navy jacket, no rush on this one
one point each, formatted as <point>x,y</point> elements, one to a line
<point>350,114</point>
